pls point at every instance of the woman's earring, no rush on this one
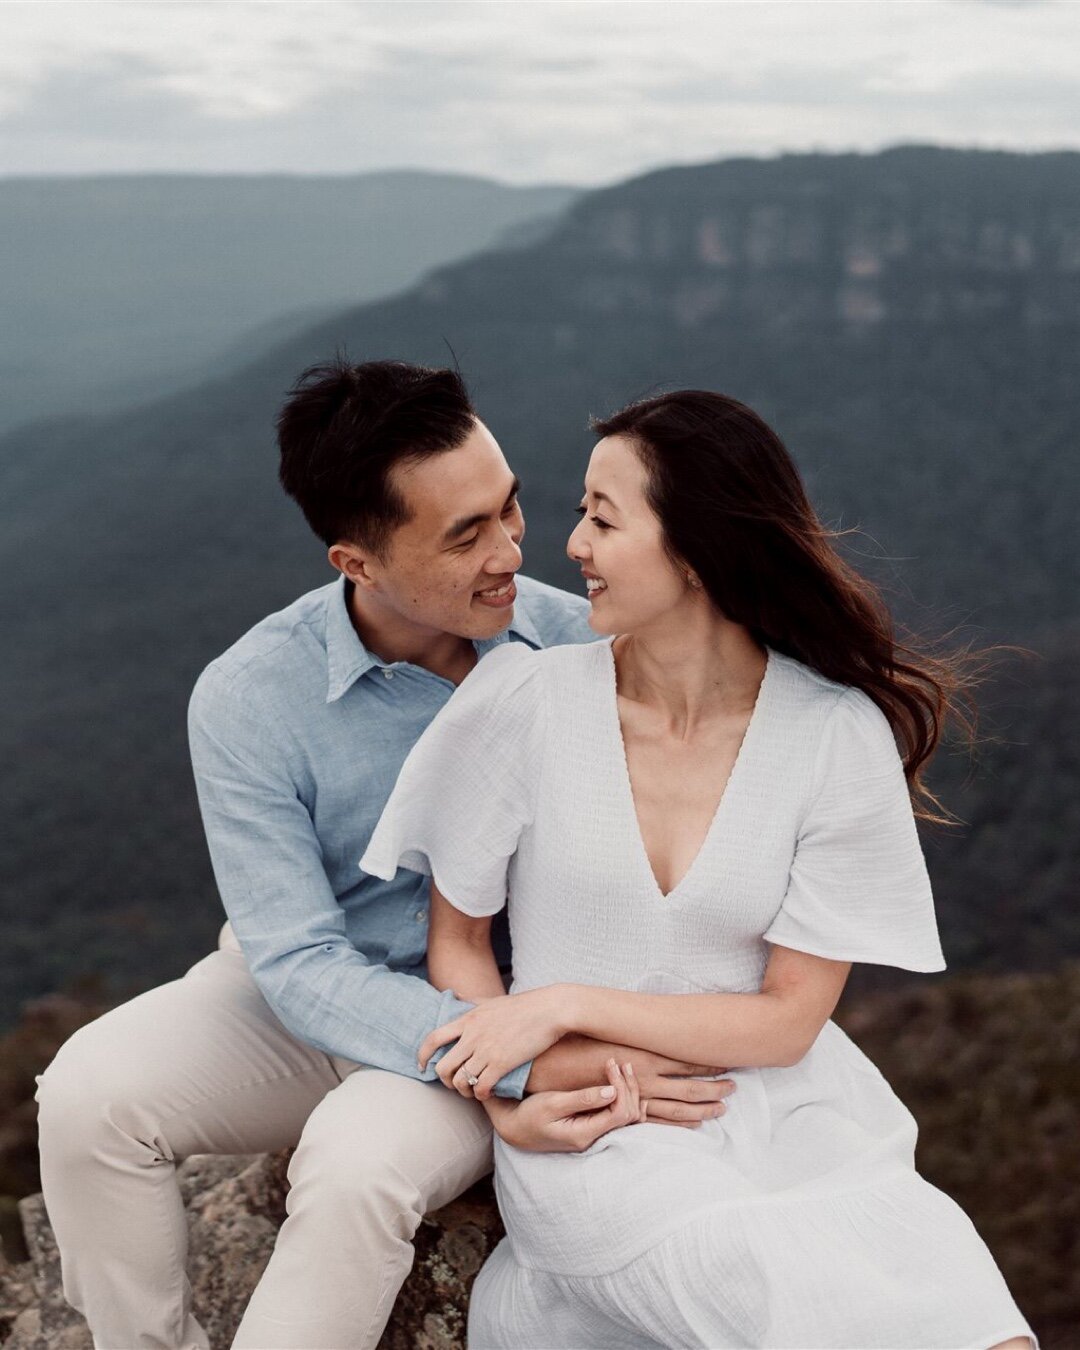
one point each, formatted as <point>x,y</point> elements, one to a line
<point>694,581</point>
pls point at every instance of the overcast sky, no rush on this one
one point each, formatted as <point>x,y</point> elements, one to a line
<point>585,92</point>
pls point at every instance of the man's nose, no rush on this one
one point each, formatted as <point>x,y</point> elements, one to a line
<point>507,557</point>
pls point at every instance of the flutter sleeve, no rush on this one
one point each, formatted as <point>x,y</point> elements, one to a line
<point>858,889</point>
<point>468,787</point>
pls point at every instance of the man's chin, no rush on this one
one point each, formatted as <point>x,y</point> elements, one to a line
<point>486,622</point>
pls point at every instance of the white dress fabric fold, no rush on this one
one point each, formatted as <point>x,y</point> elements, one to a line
<point>797,1219</point>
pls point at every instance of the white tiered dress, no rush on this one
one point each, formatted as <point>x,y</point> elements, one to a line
<point>797,1219</point>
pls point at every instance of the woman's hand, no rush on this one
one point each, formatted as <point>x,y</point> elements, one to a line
<point>495,1037</point>
<point>569,1122</point>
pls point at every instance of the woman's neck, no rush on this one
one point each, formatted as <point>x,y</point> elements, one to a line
<point>692,675</point>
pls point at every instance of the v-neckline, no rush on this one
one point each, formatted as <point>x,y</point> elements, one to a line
<point>628,785</point>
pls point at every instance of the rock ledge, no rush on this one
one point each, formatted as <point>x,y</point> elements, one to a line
<point>235,1206</point>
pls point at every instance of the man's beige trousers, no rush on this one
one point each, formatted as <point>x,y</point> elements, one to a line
<point>203,1066</point>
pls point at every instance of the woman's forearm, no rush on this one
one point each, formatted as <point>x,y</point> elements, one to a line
<point>760,1030</point>
<point>772,1028</point>
<point>460,956</point>
<point>469,970</point>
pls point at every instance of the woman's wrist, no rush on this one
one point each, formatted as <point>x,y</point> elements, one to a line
<point>570,1007</point>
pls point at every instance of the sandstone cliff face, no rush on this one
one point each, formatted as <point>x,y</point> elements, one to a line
<point>235,1207</point>
<point>910,236</point>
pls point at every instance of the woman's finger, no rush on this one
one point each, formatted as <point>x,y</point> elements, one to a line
<point>581,1100</point>
<point>633,1093</point>
<point>454,1058</point>
<point>443,1035</point>
<point>616,1113</point>
<point>460,1083</point>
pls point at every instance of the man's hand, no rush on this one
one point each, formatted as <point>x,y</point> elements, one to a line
<point>676,1093</point>
<point>568,1122</point>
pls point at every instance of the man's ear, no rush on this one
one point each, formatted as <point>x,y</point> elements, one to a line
<point>356,564</point>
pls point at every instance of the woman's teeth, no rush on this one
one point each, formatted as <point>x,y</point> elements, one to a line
<point>594,584</point>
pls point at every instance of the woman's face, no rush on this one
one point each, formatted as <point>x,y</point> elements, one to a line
<point>619,545</point>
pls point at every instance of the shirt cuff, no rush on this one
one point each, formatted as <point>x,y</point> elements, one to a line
<point>512,1084</point>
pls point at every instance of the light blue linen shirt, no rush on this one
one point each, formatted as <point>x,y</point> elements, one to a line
<point>297,736</point>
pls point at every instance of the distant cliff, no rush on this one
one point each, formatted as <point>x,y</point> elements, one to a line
<point>907,320</point>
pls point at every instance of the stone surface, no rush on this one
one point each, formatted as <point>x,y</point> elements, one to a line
<point>235,1207</point>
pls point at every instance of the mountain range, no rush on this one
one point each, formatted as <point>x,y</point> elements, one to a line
<point>119,289</point>
<point>906,320</point>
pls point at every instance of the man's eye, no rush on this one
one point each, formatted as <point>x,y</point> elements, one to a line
<point>511,507</point>
<point>468,543</point>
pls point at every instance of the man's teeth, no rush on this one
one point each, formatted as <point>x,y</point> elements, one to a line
<point>501,590</point>
<point>593,584</point>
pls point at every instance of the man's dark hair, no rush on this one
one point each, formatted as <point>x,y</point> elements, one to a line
<point>343,429</point>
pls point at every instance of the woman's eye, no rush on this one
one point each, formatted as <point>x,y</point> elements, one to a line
<point>580,510</point>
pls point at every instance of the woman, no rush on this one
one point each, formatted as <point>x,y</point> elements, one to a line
<point>702,822</point>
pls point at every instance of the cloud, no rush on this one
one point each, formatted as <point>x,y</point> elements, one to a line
<point>582,92</point>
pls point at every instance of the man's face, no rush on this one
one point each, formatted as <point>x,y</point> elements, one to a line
<point>450,568</point>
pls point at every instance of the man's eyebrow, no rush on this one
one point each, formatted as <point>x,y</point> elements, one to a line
<point>467,523</point>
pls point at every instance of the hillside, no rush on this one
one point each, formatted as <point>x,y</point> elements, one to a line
<point>906,320</point>
<point>119,289</point>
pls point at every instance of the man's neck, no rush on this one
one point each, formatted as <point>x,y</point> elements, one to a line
<point>391,638</point>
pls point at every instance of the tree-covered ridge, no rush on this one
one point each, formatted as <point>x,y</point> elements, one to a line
<point>938,414</point>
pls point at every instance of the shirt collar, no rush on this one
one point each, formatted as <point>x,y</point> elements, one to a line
<point>347,658</point>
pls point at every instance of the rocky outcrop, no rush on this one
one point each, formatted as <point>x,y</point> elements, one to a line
<point>235,1206</point>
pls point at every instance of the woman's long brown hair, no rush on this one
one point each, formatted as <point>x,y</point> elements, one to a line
<point>734,509</point>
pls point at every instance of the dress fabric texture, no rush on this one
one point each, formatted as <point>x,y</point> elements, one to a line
<point>797,1219</point>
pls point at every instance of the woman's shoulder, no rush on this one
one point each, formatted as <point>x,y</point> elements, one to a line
<point>843,729</point>
<point>827,709</point>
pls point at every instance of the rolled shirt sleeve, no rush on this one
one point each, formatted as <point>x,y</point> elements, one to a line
<point>269,869</point>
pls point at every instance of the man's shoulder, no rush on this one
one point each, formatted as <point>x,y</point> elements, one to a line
<point>279,650</point>
<point>556,616</point>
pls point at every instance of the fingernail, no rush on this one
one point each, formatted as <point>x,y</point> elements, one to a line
<point>607,1091</point>
<point>628,1069</point>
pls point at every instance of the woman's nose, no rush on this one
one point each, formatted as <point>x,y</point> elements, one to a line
<point>576,549</point>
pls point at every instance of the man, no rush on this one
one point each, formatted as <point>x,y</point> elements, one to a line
<point>303,1029</point>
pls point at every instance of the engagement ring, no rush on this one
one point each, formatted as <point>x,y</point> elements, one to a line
<point>472,1082</point>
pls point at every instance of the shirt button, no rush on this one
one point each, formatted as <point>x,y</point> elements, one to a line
<point>421,915</point>
<point>387,674</point>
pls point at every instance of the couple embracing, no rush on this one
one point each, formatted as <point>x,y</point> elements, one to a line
<point>689,798</point>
